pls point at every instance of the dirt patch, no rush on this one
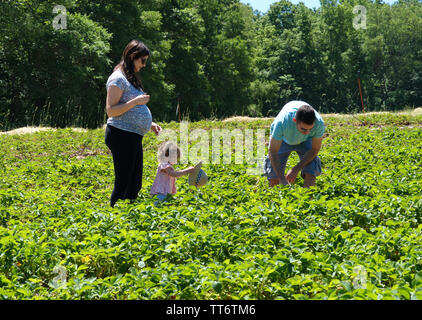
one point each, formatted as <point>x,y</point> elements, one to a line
<point>25,130</point>
<point>245,119</point>
<point>414,112</point>
<point>417,111</point>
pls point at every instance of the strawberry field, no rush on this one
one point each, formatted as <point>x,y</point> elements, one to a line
<point>357,235</point>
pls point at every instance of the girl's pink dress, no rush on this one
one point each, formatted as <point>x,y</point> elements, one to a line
<point>163,183</point>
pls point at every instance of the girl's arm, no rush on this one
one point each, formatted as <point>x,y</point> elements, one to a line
<point>176,174</point>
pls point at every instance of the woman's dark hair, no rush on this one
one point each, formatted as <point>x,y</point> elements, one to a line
<point>306,114</point>
<point>134,50</point>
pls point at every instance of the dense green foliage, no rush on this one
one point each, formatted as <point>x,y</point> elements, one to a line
<point>214,58</point>
<point>356,236</point>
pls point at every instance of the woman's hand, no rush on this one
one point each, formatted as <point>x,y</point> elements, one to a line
<point>156,128</point>
<point>113,97</point>
<point>141,99</point>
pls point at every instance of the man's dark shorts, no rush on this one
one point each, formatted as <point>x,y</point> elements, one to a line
<point>313,168</point>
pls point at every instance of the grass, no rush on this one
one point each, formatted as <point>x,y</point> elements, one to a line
<point>355,236</point>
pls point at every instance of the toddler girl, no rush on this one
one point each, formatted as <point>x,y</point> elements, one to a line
<point>165,179</point>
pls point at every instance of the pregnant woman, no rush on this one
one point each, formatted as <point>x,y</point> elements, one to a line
<point>129,120</point>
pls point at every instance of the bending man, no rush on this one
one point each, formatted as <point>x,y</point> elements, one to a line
<point>298,127</point>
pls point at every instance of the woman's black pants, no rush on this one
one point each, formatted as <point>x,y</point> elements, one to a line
<point>126,148</point>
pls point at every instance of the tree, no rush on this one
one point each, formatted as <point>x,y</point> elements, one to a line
<point>52,76</point>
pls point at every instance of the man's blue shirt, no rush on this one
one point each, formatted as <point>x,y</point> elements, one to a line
<point>284,128</point>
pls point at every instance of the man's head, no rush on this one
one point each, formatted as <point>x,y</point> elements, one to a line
<point>305,119</point>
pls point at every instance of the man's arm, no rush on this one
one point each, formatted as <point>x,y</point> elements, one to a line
<point>309,156</point>
<point>275,161</point>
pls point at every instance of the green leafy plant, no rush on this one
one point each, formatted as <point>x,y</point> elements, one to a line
<point>355,236</point>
